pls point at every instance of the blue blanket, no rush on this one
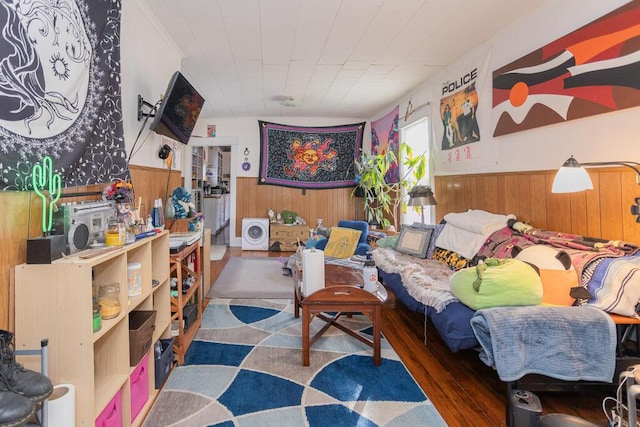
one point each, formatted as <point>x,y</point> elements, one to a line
<point>567,343</point>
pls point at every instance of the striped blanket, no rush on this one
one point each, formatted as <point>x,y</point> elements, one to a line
<point>615,285</point>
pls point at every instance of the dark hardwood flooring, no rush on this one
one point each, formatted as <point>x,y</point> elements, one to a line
<point>465,391</point>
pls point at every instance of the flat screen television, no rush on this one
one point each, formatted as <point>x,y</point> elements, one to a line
<point>179,110</point>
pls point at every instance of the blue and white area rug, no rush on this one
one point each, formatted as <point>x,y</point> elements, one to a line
<point>244,368</point>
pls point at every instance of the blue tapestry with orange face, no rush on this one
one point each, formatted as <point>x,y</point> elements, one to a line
<point>309,157</point>
<point>60,91</point>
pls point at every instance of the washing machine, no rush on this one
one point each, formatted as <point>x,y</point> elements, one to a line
<point>255,234</point>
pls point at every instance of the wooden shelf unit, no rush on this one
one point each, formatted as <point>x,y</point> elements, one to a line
<point>55,301</point>
<point>180,269</point>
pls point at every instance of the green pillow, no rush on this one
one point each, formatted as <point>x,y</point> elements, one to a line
<point>387,242</point>
<point>496,283</point>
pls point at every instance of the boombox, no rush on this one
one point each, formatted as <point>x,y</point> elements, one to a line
<point>82,223</point>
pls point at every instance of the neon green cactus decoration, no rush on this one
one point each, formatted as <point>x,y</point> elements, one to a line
<point>41,176</point>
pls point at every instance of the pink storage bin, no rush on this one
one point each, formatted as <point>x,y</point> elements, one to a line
<point>111,415</point>
<point>139,382</point>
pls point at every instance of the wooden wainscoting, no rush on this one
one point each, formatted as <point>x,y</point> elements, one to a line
<point>253,200</point>
<point>151,183</point>
<point>21,220</point>
<point>603,212</point>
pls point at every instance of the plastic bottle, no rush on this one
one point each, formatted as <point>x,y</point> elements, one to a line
<point>370,275</point>
<point>161,211</point>
<point>155,215</point>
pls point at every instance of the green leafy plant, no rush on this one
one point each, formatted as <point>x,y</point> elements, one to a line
<point>382,200</point>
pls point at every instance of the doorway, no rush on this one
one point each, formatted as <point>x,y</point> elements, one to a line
<point>227,147</point>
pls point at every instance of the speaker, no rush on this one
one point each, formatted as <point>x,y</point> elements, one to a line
<point>164,152</point>
<point>526,409</point>
<point>43,250</point>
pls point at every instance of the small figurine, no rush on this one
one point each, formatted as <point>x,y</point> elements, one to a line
<point>279,219</point>
<point>272,215</point>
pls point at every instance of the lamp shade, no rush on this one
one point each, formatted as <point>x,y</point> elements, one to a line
<point>571,178</point>
<point>421,195</point>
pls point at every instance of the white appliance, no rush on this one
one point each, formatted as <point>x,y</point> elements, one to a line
<point>255,234</point>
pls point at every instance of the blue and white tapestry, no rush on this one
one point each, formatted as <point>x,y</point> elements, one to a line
<point>60,91</point>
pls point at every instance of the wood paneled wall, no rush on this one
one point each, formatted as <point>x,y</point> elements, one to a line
<point>603,212</point>
<point>253,201</point>
<point>21,220</point>
<point>151,183</point>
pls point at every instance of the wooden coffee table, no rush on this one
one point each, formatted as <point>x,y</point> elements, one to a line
<point>342,294</point>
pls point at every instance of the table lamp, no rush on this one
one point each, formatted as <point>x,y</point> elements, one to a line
<point>421,195</point>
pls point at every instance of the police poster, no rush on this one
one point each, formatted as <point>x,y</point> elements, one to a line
<point>457,120</point>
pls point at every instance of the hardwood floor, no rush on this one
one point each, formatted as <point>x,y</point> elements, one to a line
<point>465,391</point>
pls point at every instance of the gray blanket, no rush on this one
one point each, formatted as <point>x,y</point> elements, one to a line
<point>567,343</point>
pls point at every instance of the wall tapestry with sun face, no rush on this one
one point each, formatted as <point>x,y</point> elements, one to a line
<point>309,157</point>
<point>60,91</point>
<point>593,70</point>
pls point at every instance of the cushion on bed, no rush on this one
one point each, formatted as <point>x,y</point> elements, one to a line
<point>437,229</point>
<point>557,273</point>
<point>454,326</point>
<point>342,242</point>
<point>414,241</point>
<point>450,258</point>
<point>497,282</point>
<point>387,242</point>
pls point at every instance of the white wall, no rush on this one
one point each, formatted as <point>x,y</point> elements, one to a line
<point>605,137</point>
<point>149,59</point>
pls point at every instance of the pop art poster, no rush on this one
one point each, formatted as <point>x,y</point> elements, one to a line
<point>459,130</point>
<point>384,137</point>
<point>593,70</point>
<point>458,120</point>
<point>458,112</point>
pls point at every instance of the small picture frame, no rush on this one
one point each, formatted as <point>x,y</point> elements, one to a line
<point>414,241</point>
<point>211,131</point>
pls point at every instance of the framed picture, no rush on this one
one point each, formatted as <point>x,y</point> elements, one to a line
<point>414,241</point>
<point>211,131</point>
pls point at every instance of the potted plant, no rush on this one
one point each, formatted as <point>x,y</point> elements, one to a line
<point>382,199</point>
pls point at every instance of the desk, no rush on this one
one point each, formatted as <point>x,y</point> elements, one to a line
<point>342,294</point>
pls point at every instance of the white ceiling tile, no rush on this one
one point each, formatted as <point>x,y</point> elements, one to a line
<point>243,33</point>
<point>315,20</point>
<point>336,57</point>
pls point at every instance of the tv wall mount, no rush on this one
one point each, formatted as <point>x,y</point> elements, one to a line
<point>141,105</point>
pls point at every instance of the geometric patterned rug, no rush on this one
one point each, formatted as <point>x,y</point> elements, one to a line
<point>244,368</point>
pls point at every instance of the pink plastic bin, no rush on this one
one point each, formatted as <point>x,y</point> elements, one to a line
<point>139,381</point>
<point>111,415</point>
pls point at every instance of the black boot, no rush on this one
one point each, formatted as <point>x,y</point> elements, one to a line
<point>30,384</point>
<point>15,409</point>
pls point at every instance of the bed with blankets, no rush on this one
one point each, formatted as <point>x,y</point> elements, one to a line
<point>526,298</point>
